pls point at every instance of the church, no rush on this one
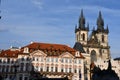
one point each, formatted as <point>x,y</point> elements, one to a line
<point>49,60</point>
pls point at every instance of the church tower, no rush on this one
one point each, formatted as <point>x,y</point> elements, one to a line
<point>102,36</point>
<point>81,31</point>
<point>96,44</point>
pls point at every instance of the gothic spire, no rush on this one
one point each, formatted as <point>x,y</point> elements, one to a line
<point>82,21</point>
<point>100,22</point>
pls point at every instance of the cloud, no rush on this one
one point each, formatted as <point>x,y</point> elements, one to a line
<point>38,3</point>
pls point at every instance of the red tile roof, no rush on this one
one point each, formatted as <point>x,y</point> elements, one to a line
<point>49,49</point>
<point>9,53</point>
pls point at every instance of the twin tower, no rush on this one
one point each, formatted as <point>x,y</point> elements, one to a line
<point>94,43</point>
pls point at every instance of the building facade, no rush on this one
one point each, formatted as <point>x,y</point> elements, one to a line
<point>48,60</point>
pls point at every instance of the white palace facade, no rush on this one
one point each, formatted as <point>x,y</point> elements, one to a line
<point>49,60</point>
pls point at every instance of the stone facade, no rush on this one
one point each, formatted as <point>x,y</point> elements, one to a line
<point>94,44</point>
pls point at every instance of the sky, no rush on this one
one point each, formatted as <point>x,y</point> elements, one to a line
<point>54,21</point>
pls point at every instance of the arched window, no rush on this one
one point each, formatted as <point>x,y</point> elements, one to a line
<point>103,38</point>
<point>83,36</point>
<point>93,56</point>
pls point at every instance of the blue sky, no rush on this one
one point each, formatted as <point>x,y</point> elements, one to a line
<point>53,21</point>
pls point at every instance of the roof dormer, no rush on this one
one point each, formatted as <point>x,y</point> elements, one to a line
<point>26,50</point>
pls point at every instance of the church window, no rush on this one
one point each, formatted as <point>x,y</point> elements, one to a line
<point>93,56</point>
<point>103,40</point>
<point>77,37</point>
<point>83,36</point>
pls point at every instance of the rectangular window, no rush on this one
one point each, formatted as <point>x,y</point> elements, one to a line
<point>51,69</point>
<point>66,60</point>
<point>47,59</point>
<point>55,69</point>
<point>56,59</point>
<point>70,70</point>
<point>62,60</point>
<point>47,69</point>
<point>61,69</point>
<point>52,59</point>
<point>41,59</point>
<point>41,69</point>
<point>75,61</point>
<point>75,71</point>
<point>65,69</point>
<point>70,60</point>
<point>79,61</point>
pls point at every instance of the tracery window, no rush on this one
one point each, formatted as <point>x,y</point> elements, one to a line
<point>93,56</point>
<point>103,38</point>
<point>83,37</point>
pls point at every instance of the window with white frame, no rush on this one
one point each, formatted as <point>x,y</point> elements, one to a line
<point>62,60</point>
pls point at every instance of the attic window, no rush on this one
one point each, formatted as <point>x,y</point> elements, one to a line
<point>5,54</point>
<point>13,54</point>
<point>77,54</point>
<point>26,50</point>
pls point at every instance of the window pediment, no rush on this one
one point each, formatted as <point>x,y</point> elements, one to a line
<point>38,53</point>
<point>67,55</point>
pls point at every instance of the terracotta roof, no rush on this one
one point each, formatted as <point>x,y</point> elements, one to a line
<point>49,46</point>
<point>9,53</point>
<point>49,49</point>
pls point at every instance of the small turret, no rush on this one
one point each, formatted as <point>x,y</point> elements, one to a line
<point>88,26</point>
<point>107,29</point>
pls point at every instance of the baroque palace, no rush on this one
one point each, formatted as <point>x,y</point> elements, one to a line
<point>40,60</point>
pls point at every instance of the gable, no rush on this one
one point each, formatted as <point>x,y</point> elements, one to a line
<point>67,55</point>
<point>38,53</point>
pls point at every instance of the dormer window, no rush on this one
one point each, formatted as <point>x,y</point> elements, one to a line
<point>26,50</point>
<point>77,54</point>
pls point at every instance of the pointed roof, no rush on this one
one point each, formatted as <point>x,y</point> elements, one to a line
<point>82,21</point>
<point>100,22</point>
<point>78,46</point>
